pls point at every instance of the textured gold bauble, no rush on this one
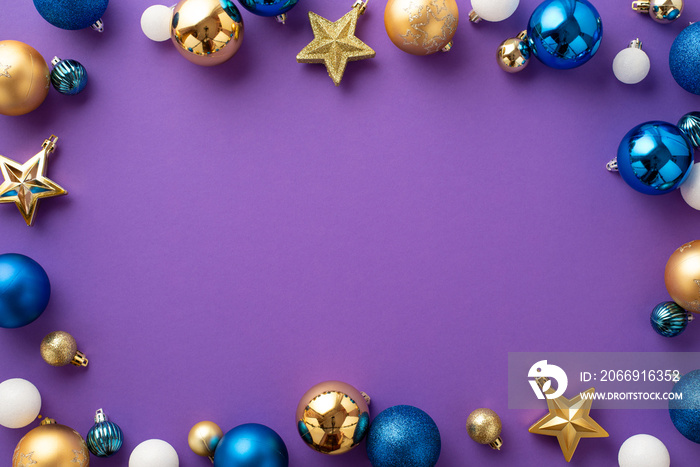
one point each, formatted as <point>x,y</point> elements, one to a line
<point>421,27</point>
<point>204,437</point>
<point>24,78</point>
<point>204,32</point>
<point>682,276</point>
<point>514,54</point>
<point>51,445</point>
<point>332,417</point>
<point>484,427</point>
<point>59,348</point>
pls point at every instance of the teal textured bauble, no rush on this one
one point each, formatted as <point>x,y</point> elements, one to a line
<point>68,76</point>
<point>104,438</point>
<point>669,319</point>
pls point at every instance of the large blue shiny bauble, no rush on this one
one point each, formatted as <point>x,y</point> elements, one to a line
<point>564,34</point>
<point>24,290</point>
<point>268,7</point>
<point>685,413</point>
<point>403,436</point>
<point>655,157</point>
<point>251,445</point>
<point>684,59</point>
<point>71,14</point>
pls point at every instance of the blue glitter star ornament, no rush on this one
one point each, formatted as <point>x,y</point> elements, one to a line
<point>685,412</point>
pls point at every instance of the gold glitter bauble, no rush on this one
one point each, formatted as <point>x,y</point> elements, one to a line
<point>24,78</point>
<point>204,437</point>
<point>514,54</point>
<point>332,417</point>
<point>421,27</point>
<point>59,348</point>
<point>51,445</point>
<point>682,276</point>
<point>484,427</point>
<point>207,32</point>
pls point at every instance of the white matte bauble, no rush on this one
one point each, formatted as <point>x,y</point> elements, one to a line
<point>20,403</point>
<point>152,453</point>
<point>494,10</point>
<point>631,65</point>
<point>643,451</point>
<point>156,21</point>
<point>690,189</point>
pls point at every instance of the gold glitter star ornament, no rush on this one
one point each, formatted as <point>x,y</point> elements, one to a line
<point>335,43</point>
<point>51,445</point>
<point>25,184</point>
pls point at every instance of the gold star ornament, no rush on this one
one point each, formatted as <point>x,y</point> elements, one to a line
<point>25,184</point>
<point>335,43</point>
<point>569,421</point>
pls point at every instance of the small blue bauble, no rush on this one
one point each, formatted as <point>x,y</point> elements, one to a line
<point>685,412</point>
<point>104,438</point>
<point>24,290</point>
<point>403,436</point>
<point>564,34</point>
<point>669,319</point>
<point>268,7</point>
<point>71,14</point>
<point>68,76</point>
<point>251,445</point>
<point>684,59</point>
<point>655,157</point>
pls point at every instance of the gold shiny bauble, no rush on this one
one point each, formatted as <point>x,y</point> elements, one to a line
<point>484,427</point>
<point>204,33</point>
<point>51,445</point>
<point>421,27</point>
<point>59,348</point>
<point>661,11</point>
<point>24,78</point>
<point>332,417</point>
<point>682,276</point>
<point>204,437</point>
<point>514,54</point>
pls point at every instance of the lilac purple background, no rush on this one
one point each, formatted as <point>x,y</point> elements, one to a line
<point>234,235</point>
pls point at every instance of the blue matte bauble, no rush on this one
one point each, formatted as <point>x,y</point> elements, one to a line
<point>403,436</point>
<point>684,59</point>
<point>69,77</point>
<point>564,34</point>
<point>104,439</point>
<point>669,319</point>
<point>268,7</point>
<point>251,445</point>
<point>685,412</point>
<point>71,14</point>
<point>24,290</point>
<point>655,157</point>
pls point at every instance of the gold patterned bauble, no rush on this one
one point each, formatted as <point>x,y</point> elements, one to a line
<point>204,437</point>
<point>333,417</point>
<point>335,43</point>
<point>59,348</point>
<point>24,78</point>
<point>51,445</point>
<point>514,54</point>
<point>207,32</point>
<point>484,427</point>
<point>421,27</point>
<point>682,276</point>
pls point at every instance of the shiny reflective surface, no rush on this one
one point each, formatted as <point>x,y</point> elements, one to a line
<point>104,438</point>
<point>690,126</point>
<point>24,290</point>
<point>421,27</point>
<point>51,445</point>
<point>251,445</point>
<point>565,34</point>
<point>661,11</point>
<point>654,157</point>
<point>268,7</point>
<point>204,437</point>
<point>669,319</point>
<point>68,76</point>
<point>682,274</point>
<point>513,54</point>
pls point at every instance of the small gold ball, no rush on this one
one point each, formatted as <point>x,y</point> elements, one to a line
<point>204,437</point>
<point>513,55</point>
<point>58,348</point>
<point>484,426</point>
<point>665,11</point>
<point>682,276</point>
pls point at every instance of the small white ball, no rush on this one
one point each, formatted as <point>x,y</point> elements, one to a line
<point>156,22</point>
<point>20,403</point>
<point>643,451</point>
<point>631,65</point>
<point>495,10</point>
<point>690,189</point>
<point>152,453</point>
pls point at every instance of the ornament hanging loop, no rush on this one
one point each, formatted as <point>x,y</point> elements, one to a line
<point>641,6</point>
<point>474,17</point>
<point>49,145</point>
<point>635,44</point>
<point>612,165</point>
<point>280,19</point>
<point>98,26</point>
<point>361,5</point>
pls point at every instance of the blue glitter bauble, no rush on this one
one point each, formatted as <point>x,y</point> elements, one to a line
<point>69,77</point>
<point>685,412</point>
<point>403,436</point>
<point>104,438</point>
<point>268,7</point>
<point>684,59</point>
<point>24,290</point>
<point>251,445</point>
<point>655,157</point>
<point>564,34</point>
<point>71,14</point>
<point>669,319</point>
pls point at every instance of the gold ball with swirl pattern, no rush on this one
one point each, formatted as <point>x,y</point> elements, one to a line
<point>421,27</point>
